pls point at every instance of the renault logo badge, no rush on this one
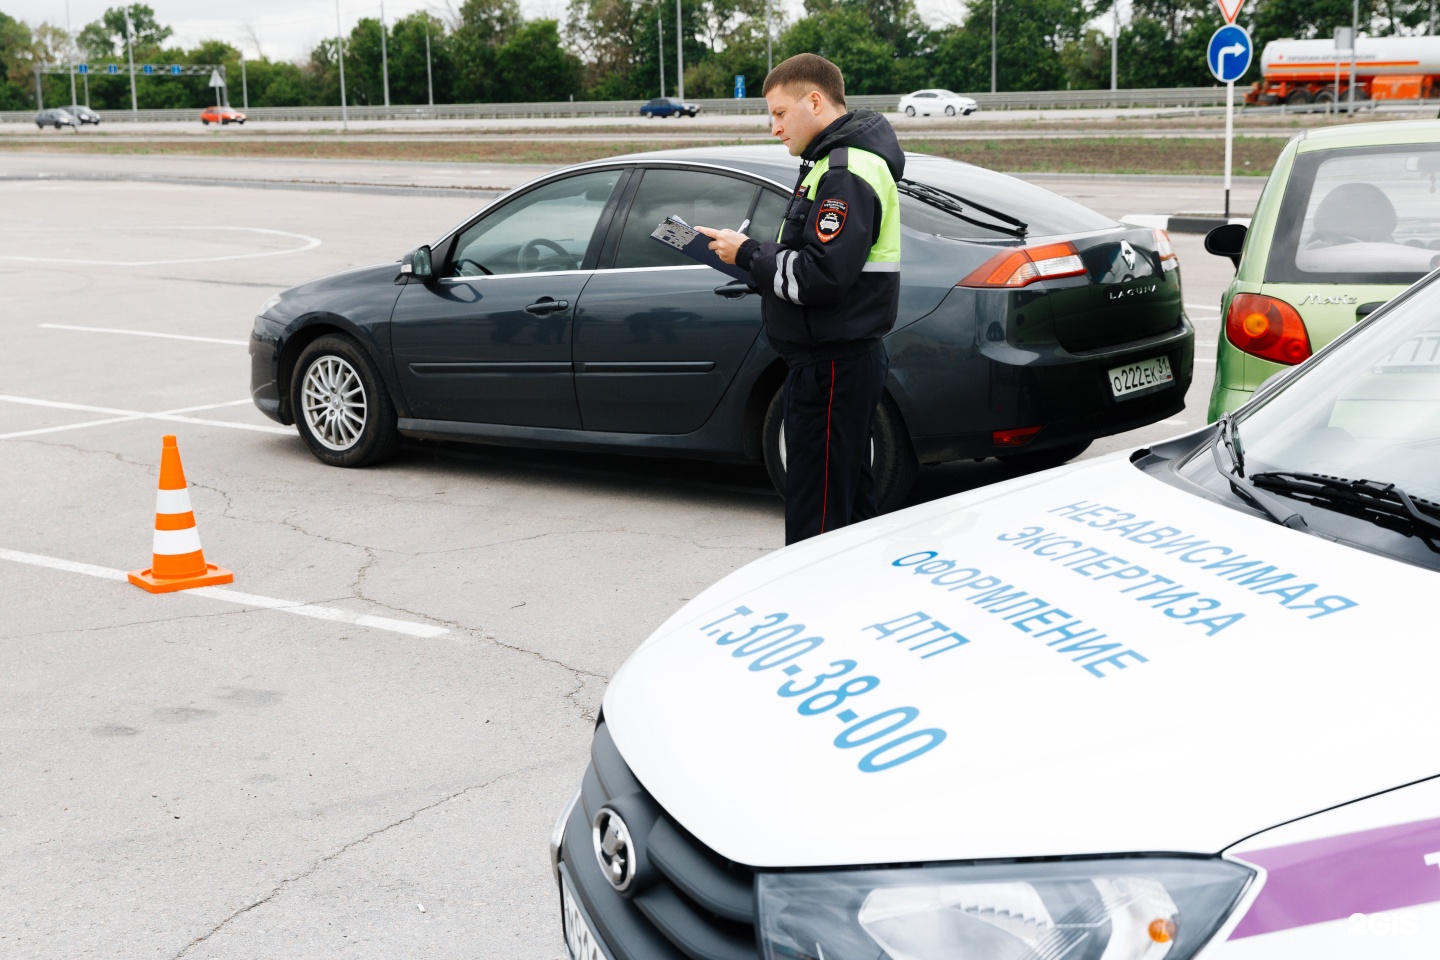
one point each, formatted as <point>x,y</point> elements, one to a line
<point>1127,253</point>
<point>614,849</point>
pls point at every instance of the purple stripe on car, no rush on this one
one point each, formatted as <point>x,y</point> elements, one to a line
<point>1322,880</point>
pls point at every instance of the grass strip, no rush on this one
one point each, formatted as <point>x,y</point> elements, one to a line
<point>1254,156</point>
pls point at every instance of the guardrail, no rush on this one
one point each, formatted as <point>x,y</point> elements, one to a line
<point>1180,97</point>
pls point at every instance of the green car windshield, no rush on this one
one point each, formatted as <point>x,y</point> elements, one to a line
<point>1368,215</point>
<point>1370,411</point>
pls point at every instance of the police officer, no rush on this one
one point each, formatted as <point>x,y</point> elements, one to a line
<point>829,289</point>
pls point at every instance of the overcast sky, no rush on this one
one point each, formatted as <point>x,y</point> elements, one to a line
<point>290,29</point>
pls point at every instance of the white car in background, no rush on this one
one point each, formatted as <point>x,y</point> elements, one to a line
<point>928,102</point>
<point>1176,701</point>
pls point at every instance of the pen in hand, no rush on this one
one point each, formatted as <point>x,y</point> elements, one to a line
<point>743,225</point>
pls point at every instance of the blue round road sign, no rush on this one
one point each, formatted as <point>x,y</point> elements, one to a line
<point>1229,53</point>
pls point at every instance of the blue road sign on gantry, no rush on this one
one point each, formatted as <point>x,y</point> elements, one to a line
<point>148,69</point>
<point>175,69</point>
<point>112,68</point>
<point>1229,53</point>
<point>83,67</point>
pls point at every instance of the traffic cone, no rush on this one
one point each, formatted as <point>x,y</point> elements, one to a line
<point>178,562</point>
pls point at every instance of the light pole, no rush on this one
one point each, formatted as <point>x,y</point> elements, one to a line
<point>1115,51</point>
<point>384,58</point>
<point>769,32</point>
<point>992,44</point>
<point>244,81</point>
<point>70,52</point>
<point>130,52</point>
<point>679,54</point>
<point>429,77</point>
<point>340,55</point>
<point>1354,46</point>
<point>660,21</point>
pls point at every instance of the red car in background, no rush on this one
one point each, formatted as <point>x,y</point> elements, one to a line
<point>221,115</point>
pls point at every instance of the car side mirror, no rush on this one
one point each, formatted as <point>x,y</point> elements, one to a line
<point>1227,240</point>
<point>418,264</point>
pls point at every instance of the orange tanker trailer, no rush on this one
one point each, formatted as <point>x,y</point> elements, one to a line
<point>1386,68</point>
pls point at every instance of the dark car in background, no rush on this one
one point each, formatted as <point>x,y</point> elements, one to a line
<point>668,107</point>
<point>1028,325</point>
<point>57,118</point>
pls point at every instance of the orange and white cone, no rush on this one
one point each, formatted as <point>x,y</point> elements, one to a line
<point>178,562</point>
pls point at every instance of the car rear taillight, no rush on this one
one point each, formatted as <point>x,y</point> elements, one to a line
<point>1166,249</point>
<point>1020,268</point>
<point>1267,327</point>
<point>1013,438</point>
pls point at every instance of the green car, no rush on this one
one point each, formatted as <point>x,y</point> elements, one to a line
<point>1349,219</point>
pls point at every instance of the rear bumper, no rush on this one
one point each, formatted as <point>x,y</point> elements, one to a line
<point>953,408</point>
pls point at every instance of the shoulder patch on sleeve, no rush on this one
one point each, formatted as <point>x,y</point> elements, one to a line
<point>831,219</point>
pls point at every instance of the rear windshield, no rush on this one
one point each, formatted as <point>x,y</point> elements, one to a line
<point>1369,215</point>
<point>1048,214</point>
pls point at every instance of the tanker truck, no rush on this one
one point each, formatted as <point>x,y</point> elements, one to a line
<point>1386,68</point>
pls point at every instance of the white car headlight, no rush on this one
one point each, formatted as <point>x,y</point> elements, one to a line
<point>1138,908</point>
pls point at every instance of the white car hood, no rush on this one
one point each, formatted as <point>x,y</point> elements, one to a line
<point>1227,727</point>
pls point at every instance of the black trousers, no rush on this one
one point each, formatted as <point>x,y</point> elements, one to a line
<point>828,409</point>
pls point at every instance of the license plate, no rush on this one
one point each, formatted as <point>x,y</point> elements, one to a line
<point>579,938</point>
<point>1136,377</point>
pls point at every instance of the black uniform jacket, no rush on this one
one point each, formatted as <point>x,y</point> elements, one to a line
<point>826,305</point>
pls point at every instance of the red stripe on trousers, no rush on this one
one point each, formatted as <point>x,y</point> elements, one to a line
<point>825,490</point>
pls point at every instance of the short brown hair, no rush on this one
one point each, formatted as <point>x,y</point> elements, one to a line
<point>809,71</point>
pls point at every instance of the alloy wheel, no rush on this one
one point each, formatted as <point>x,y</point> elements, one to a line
<point>334,403</point>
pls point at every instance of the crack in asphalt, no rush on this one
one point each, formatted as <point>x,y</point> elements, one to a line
<point>280,887</point>
<point>120,626</point>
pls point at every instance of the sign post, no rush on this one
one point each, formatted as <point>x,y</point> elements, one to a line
<point>739,86</point>
<point>1229,57</point>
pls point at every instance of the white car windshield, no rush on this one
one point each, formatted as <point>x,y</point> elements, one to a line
<point>1367,411</point>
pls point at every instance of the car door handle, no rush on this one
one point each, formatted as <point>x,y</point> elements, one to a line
<point>734,290</point>
<point>545,305</point>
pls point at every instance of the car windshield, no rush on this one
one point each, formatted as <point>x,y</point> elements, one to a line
<point>1369,411</point>
<point>1368,215</point>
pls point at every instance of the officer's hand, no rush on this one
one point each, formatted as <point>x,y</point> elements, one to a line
<point>725,243</point>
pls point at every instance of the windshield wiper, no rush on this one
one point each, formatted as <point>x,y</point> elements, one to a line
<point>955,205</point>
<point>1228,440</point>
<point>1363,498</point>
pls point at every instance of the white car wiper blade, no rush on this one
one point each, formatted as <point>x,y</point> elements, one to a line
<point>955,205</point>
<point>1368,497</point>
<point>1228,440</point>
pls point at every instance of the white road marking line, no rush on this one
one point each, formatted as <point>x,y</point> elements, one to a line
<point>118,416</point>
<point>408,627</point>
<point>1201,306</point>
<point>1204,359</point>
<point>1173,422</point>
<point>310,244</point>
<point>142,333</point>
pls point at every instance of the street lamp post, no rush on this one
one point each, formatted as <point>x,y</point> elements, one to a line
<point>340,55</point>
<point>244,81</point>
<point>384,59</point>
<point>130,52</point>
<point>70,52</point>
<point>660,22</point>
<point>679,54</point>
<point>429,77</point>
<point>992,44</point>
<point>1354,45</point>
<point>769,32</point>
<point>1115,51</point>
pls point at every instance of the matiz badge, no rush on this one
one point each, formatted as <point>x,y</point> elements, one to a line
<point>831,220</point>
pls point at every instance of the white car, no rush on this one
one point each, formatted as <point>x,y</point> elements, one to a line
<point>927,102</point>
<point>1175,702</point>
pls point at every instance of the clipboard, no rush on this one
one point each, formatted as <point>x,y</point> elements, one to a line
<point>676,233</point>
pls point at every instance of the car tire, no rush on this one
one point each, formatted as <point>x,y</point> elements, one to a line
<point>909,111</point>
<point>894,463</point>
<point>204,122</point>
<point>329,370</point>
<point>1298,97</point>
<point>1044,459</point>
<point>950,111</point>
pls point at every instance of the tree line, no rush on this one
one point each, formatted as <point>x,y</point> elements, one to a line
<point>487,52</point>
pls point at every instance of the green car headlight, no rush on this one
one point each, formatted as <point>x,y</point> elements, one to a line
<point>1134,908</point>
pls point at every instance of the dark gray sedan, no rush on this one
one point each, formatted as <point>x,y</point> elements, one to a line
<point>1029,325</point>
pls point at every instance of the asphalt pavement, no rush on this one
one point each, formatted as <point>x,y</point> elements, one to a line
<point>358,748</point>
